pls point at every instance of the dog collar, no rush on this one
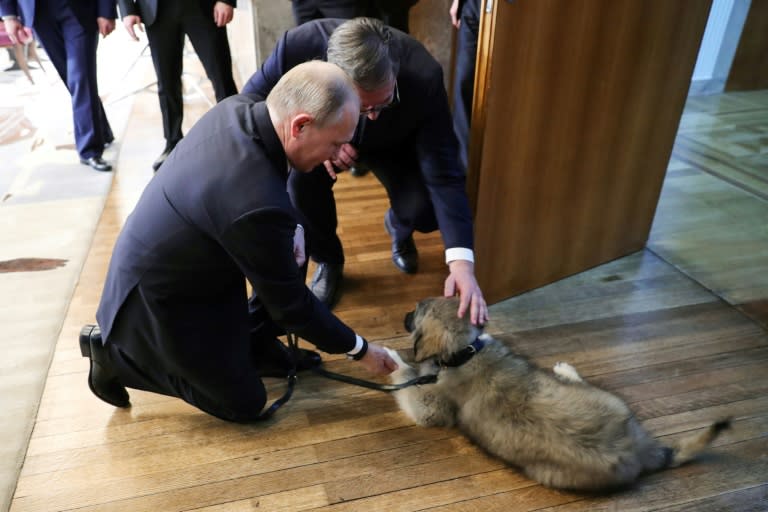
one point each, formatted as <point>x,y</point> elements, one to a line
<point>461,357</point>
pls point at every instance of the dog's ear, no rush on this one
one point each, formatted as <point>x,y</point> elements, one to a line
<point>417,348</point>
<point>431,339</point>
<point>424,346</point>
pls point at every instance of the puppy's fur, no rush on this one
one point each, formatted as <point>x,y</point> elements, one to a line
<point>557,428</point>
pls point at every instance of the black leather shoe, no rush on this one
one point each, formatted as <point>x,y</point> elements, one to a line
<point>404,253</point>
<point>97,163</point>
<point>101,379</point>
<point>359,171</point>
<point>161,159</point>
<point>274,359</point>
<point>326,282</point>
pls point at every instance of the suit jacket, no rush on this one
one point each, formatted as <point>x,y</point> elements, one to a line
<point>420,127</point>
<point>147,9</point>
<point>217,214</point>
<point>86,10</point>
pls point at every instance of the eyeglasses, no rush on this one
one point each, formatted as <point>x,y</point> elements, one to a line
<point>378,108</point>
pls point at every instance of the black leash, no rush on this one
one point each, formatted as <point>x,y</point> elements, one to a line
<point>293,345</point>
<point>424,379</point>
<point>267,413</point>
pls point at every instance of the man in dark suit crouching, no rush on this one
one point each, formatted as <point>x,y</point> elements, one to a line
<point>174,316</point>
<point>405,137</point>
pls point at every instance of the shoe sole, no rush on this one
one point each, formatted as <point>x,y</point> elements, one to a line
<point>390,232</point>
<point>85,340</point>
<point>87,350</point>
<point>108,168</point>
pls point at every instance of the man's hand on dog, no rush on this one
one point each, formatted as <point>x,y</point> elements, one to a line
<point>462,281</point>
<point>378,361</point>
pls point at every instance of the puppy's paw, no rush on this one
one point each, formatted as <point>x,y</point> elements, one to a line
<point>395,355</point>
<point>403,371</point>
<point>566,372</point>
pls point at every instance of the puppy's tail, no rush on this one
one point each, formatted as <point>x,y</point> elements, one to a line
<point>685,449</point>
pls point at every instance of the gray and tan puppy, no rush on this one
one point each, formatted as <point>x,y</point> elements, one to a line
<point>560,430</point>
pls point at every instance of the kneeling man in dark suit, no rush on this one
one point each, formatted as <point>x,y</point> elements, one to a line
<point>174,316</point>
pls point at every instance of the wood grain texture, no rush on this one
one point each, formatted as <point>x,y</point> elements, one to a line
<point>749,70</point>
<point>581,104</point>
<point>715,199</point>
<point>678,352</point>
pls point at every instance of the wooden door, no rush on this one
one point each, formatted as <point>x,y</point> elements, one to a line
<point>749,70</point>
<point>576,108</point>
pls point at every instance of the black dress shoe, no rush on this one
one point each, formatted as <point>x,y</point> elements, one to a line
<point>359,170</point>
<point>96,162</point>
<point>101,378</point>
<point>404,253</point>
<point>326,282</point>
<point>161,159</point>
<point>274,359</point>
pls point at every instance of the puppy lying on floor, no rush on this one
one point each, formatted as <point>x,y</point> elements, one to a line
<point>557,428</point>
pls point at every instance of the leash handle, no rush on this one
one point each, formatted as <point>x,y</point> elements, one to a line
<point>388,388</point>
<point>293,345</point>
<point>267,413</point>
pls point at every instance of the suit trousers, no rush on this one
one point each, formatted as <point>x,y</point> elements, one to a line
<point>218,377</point>
<point>464,78</point>
<point>166,42</point>
<point>312,195</point>
<point>308,10</point>
<point>394,13</point>
<point>72,50</point>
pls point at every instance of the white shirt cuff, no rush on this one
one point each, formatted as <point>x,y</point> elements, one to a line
<point>459,253</point>
<point>358,345</point>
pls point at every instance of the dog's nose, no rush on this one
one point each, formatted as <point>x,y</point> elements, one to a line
<point>408,321</point>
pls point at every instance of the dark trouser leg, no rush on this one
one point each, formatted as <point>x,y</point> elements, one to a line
<point>304,10</point>
<point>464,79</point>
<point>346,9</point>
<point>72,50</point>
<point>166,42</point>
<point>408,196</point>
<point>212,371</point>
<point>312,196</point>
<point>308,10</point>
<point>237,398</point>
<point>392,12</point>
<point>261,324</point>
<point>212,47</point>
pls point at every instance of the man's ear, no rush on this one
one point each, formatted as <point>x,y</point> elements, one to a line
<point>299,123</point>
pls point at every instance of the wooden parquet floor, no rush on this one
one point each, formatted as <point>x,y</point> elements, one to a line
<point>678,347</point>
<point>712,218</point>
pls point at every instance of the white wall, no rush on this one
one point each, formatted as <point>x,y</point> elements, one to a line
<point>718,46</point>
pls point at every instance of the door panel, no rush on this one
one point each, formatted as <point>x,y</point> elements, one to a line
<point>577,104</point>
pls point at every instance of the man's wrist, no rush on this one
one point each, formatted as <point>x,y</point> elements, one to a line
<point>8,17</point>
<point>361,347</point>
<point>459,253</point>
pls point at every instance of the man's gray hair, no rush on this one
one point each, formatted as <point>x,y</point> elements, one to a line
<point>317,88</point>
<point>365,49</point>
